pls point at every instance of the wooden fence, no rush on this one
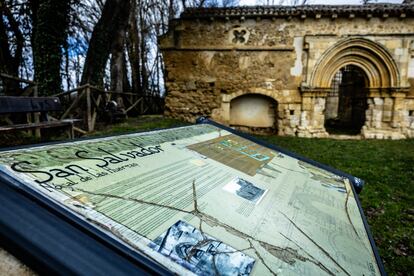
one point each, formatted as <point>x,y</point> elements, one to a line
<point>30,90</point>
<point>87,102</point>
<point>93,100</point>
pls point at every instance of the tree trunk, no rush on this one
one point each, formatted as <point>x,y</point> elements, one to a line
<point>133,46</point>
<point>143,52</point>
<point>10,63</point>
<point>50,21</point>
<point>119,72</point>
<point>118,64</point>
<point>105,37</point>
<point>126,84</point>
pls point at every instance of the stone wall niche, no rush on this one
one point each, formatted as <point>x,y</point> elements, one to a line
<point>254,113</point>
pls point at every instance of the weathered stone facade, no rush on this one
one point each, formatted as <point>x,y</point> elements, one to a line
<point>285,58</point>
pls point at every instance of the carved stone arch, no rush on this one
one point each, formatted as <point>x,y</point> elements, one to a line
<point>258,91</point>
<point>252,110</point>
<point>372,58</point>
<point>373,75</point>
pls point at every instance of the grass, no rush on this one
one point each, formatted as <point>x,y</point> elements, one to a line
<point>142,123</point>
<point>386,166</point>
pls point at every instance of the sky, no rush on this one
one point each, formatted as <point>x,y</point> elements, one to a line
<point>325,2</point>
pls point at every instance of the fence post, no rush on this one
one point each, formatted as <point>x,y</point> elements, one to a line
<point>89,109</point>
<point>95,110</point>
<point>36,115</point>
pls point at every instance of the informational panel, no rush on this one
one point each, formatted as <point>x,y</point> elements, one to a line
<point>202,200</point>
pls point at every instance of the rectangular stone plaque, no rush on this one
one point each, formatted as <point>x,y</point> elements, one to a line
<point>202,199</point>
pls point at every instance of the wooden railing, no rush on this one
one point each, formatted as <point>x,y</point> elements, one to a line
<point>31,90</point>
<point>86,102</point>
<point>93,100</point>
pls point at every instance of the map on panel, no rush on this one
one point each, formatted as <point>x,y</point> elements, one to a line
<point>201,200</point>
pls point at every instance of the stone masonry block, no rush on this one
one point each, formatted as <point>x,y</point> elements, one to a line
<point>378,101</point>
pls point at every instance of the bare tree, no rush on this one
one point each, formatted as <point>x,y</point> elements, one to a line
<point>92,34</point>
<point>108,34</point>
<point>50,22</point>
<point>12,42</point>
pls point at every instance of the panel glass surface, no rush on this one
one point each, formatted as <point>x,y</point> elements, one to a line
<point>202,200</point>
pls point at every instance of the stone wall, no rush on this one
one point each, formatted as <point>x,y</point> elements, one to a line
<point>216,55</point>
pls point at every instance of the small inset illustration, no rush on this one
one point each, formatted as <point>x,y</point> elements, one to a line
<point>245,189</point>
<point>201,253</point>
<point>235,152</point>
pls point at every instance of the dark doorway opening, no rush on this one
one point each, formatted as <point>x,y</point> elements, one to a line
<point>347,102</point>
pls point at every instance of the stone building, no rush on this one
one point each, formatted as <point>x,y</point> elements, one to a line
<point>309,71</point>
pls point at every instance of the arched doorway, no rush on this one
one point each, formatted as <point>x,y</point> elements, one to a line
<point>370,66</point>
<point>254,113</point>
<point>346,104</point>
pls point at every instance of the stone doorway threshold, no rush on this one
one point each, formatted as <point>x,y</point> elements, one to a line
<point>345,136</point>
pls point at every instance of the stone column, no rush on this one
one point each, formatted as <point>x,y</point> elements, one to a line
<point>318,113</point>
<point>312,119</point>
<point>397,110</point>
<point>399,123</point>
<point>368,114</point>
<point>377,112</point>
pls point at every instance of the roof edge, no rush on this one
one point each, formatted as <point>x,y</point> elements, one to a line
<point>317,11</point>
